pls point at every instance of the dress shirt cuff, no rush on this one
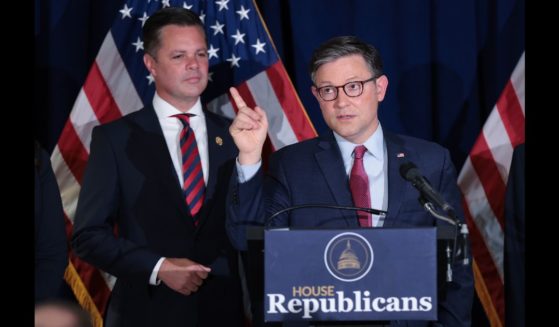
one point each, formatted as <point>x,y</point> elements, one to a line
<point>153,277</point>
<point>246,172</point>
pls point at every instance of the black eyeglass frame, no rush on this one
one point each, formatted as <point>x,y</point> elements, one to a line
<point>343,88</point>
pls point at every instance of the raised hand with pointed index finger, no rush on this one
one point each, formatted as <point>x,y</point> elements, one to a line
<point>249,130</point>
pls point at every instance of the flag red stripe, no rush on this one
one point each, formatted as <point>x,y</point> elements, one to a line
<point>100,97</point>
<point>485,298</point>
<point>72,150</point>
<point>98,289</point>
<point>91,276</point>
<point>486,168</point>
<point>290,103</point>
<point>485,263</point>
<point>510,110</point>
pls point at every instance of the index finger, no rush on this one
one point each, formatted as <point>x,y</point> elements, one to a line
<point>237,98</point>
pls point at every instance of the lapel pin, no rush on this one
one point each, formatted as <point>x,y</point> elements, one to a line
<point>400,155</point>
<point>219,140</point>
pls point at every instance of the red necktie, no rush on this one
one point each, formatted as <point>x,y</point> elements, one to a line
<point>193,187</point>
<point>359,185</point>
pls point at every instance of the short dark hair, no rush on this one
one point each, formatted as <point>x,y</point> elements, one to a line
<point>82,316</point>
<point>163,17</point>
<point>342,46</point>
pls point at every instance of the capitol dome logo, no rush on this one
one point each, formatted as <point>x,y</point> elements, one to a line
<point>348,257</point>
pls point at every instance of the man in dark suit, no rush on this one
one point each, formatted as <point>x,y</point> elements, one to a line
<point>357,163</point>
<point>515,240</point>
<point>151,211</point>
<point>51,250</point>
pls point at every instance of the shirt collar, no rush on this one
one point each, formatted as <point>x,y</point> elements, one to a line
<point>164,109</point>
<point>374,144</point>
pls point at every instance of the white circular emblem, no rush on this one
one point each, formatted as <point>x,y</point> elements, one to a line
<point>348,257</point>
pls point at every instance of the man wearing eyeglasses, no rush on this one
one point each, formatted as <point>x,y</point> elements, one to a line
<point>355,164</point>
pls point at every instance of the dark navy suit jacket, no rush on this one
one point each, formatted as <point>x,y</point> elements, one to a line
<point>51,249</point>
<point>515,241</point>
<point>313,172</point>
<point>130,182</point>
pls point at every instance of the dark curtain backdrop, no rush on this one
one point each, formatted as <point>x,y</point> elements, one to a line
<point>446,61</point>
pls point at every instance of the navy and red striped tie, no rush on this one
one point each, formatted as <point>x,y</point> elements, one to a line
<point>193,178</point>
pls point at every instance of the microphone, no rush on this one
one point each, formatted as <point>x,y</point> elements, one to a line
<point>329,206</point>
<point>409,172</point>
<point>429,196</point>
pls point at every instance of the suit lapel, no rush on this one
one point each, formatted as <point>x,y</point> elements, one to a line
<point>214,154</point>
<point>397,153</point>
<point>330,161</point>
<point>153,151</point>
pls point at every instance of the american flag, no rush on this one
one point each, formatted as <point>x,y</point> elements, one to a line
<point>241,53</point>
<point>482,181</point>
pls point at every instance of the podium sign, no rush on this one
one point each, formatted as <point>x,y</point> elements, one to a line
<point>358,274</point>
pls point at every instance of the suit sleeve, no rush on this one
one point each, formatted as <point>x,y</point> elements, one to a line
<point>244,208</point>
<point>94,237</point>
<point>51,251</point>
<point>456,305</point>
<point>252,202</point>
<point>277,193</point>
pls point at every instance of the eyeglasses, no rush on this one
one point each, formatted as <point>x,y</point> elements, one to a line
<point>351,89</point>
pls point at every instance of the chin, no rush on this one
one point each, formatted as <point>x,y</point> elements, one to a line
<point>345,132</point>
<point>350,136</point>
<point>193,91</point>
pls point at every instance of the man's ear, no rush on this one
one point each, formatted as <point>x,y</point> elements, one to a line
<point>314,92</point>
<point>382,85</point>
<point>149,61</point>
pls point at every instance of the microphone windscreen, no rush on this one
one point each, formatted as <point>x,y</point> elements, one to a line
<point>409,171</point>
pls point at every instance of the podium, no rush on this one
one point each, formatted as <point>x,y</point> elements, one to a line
<point>346,275</point>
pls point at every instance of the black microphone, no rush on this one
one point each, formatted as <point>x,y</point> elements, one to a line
<point>409,172</point>
<point>329,206</point>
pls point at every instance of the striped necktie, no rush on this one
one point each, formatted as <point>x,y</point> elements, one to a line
<point>193,178</point>
<point>359,185</point>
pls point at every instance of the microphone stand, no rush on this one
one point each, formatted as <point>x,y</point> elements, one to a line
<point>328,206</point>
<point>459,228</point>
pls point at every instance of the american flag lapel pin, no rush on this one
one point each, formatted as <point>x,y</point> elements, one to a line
<point>400,155</point>
<point>218,140</point>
